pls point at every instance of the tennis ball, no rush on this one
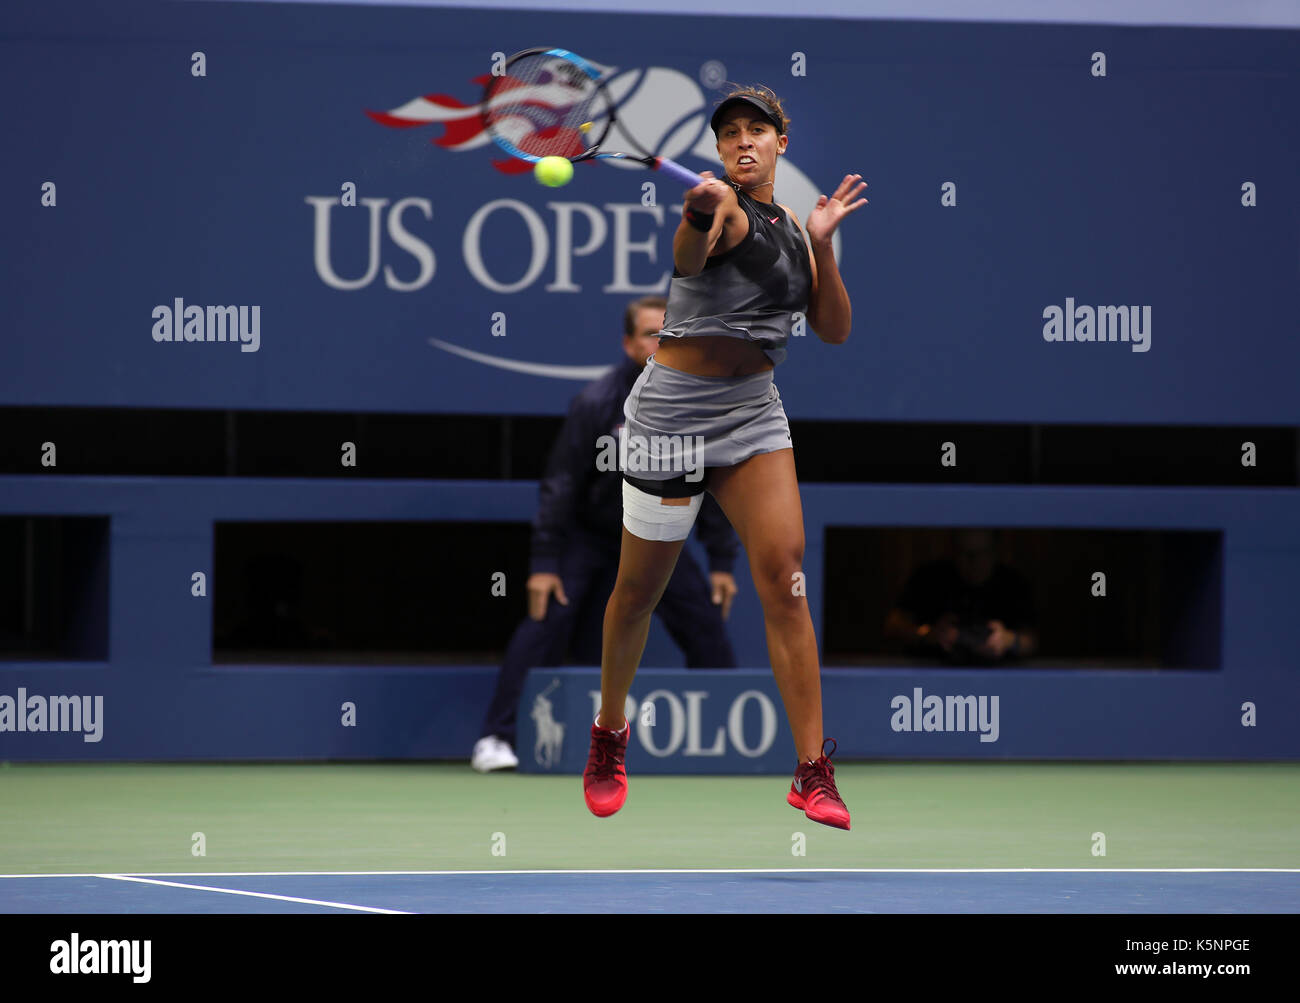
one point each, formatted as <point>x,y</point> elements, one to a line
<point>553,171</point>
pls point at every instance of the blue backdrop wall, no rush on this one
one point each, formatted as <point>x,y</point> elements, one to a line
<point>1015,191</point>
<point>1165,187</point>
<point>163,698</point>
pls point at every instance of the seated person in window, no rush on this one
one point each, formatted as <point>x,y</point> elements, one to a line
<point>971,609</point>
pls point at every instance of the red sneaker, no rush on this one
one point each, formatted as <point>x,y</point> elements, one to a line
<point>604,781</point>
<point>813,791</point>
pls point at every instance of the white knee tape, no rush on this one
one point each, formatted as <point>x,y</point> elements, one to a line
<point>646,516</point>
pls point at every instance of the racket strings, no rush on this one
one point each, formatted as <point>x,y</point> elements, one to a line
<point>541,104</point>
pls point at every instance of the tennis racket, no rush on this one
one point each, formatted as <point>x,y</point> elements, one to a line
<point>553,103</point>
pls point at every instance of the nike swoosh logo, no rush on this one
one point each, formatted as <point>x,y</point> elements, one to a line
<point>798,786</point>
<point>775,219</point>
<point>549,370</point>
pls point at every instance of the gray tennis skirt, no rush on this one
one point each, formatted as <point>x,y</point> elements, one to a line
<point>676,425</point>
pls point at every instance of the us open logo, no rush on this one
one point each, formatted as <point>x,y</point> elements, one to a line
<point>624,241</point>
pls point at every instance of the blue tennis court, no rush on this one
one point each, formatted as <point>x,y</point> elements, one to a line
<point>659,891</point>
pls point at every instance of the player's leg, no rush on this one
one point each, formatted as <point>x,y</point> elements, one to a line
<point>644,568</point>
<point>654,530</point>
<point>760,497</point>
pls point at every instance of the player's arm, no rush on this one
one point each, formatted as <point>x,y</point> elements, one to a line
<point>830,314</point>
<point>692,245</point>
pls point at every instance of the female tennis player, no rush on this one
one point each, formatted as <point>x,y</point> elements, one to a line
<point>743,268</point>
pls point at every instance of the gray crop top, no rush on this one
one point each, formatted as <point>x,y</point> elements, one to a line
<point>751,291</point>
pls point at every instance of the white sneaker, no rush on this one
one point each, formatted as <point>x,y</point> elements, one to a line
<point>491,753</point>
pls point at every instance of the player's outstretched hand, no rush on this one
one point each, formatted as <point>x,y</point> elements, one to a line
<point>828,212</point>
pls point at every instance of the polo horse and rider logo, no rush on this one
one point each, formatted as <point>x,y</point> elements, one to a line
<point>550,732</point>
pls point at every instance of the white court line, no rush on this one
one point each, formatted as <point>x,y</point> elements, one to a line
<point>694,870</point>
<point>259,895</point>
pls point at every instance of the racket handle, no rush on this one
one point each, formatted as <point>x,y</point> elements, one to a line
<point>677,172</point>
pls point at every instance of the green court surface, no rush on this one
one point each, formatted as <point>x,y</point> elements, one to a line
<point>141,818</point>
